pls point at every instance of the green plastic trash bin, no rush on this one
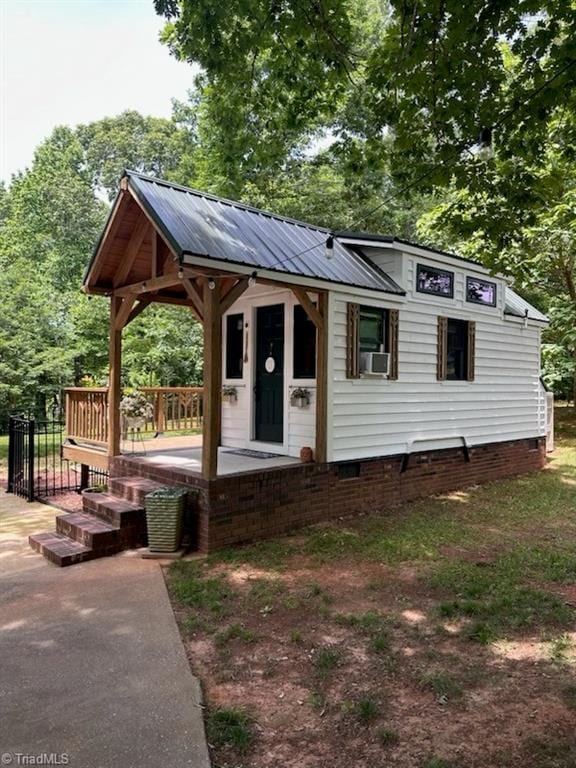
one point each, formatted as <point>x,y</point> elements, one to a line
<point>164,513</point>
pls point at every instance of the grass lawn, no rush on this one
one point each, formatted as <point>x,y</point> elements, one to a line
<point>438,635</point>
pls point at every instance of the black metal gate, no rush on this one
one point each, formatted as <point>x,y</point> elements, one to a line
<point>21,457</point>
<point>36,468</point>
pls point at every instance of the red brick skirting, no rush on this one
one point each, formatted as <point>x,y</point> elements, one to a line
<point>248,506</point>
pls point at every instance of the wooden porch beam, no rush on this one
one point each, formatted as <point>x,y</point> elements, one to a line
<point>313,313</point>
<point>114,380</point>
<point>322,380</point>
<point>212,381</point>
<point>234,294</point>
<point>147,286</point>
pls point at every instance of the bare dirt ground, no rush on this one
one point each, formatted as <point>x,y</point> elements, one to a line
<point>439,635</point>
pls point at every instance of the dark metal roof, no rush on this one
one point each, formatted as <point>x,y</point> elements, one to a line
<point>519,307</point>
<point>199,224</point>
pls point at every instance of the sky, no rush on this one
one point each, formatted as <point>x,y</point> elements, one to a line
<point>74,61</point>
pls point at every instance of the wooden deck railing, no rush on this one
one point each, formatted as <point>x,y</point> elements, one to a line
<point>175,409</point>
<point>87,414</point>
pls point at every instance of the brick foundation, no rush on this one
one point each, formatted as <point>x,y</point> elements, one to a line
<point>249,506</point>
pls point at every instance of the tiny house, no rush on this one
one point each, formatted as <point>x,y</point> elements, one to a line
<point>343,371</point>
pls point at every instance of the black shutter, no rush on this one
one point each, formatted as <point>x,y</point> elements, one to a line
<point>352,346</point>
<point>393,318</point>
<point>442,349</point>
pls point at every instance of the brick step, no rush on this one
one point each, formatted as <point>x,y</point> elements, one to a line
<point>89,530</point>
<point>112,509</point>
<point>120,513</point>
<point>61,550</point>
<point>133,488</point>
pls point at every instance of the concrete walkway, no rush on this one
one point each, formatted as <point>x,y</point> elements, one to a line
<point>91,662</point>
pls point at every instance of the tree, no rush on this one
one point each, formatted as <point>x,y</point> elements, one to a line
<point>520,218</point>
<point>51,334</point>
<point>150,145</point>
<point>431,74</point>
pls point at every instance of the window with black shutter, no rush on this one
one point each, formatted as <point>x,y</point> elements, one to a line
<point>234,346</point>
<point>304,345</point>
<point>371,329</point>
<point>456,349</point>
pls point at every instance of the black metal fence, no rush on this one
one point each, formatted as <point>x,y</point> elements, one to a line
<point>36,468</point>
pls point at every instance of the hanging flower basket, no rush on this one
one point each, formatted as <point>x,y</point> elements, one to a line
<point>164,513</point>
<point>300,397</point>
<point>136,410</point>
<point>230,395</point>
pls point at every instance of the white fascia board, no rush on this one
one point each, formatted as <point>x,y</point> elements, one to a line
<point>229,268</point>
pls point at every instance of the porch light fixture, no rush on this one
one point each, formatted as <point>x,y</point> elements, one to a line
<point>180,273</point>
<point>329,247</point>
<point>211,284</point>
<point>252,279</point>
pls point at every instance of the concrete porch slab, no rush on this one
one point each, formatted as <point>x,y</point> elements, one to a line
<point>188,458</point>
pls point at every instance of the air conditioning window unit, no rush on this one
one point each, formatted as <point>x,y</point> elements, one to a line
<point>376,363</point>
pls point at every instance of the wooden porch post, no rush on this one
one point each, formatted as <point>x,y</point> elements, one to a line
<point>114,382</point>
<point>319,316</point>
<point>322,380</point>
<point>212,380</point>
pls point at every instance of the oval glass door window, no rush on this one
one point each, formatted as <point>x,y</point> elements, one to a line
<point>270,364</point>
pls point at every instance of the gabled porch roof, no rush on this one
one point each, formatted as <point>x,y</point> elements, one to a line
<point>194,223</point>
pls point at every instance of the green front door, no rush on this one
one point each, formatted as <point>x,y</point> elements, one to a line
<point>269,375</point>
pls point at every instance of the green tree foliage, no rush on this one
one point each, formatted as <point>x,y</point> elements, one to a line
<point>400,91</point>
<point>432,73</point>
<point>150,145</point>
<point>51,216</point>
<point>271,75</point>
<point>520,218</point>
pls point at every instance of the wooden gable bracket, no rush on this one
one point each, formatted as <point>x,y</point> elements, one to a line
<point>134,244</point>
<point>195,297</point>
<point>112,227</point>
<point>123,311</point>
<point>308,306</point>
<point>138,308</point>
<point>234,294</point>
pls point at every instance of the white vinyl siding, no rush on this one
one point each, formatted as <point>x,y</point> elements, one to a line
<point>237,418</point>
<point>371,416</point>
<point>374,417</point>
